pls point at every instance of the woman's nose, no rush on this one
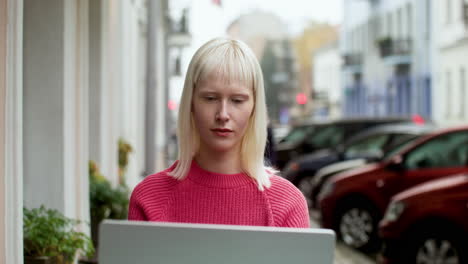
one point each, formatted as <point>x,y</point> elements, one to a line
<point>223,113</point>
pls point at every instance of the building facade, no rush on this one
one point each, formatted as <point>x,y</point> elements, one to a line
<point>75,77</point>
<point>386,48</point>
<point>450,29</point>
<point>327,95</point>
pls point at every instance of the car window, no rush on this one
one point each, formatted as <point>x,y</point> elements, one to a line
<point>297,134</point>
<point>400,138</point>
<point>443,151</point>
<point>326,137</point>
<point>370,144</point>
<point>396,148</point>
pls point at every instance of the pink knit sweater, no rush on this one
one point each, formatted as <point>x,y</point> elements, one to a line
<point>212,198</point>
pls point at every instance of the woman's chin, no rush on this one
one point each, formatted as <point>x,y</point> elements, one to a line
<point>221,148</point>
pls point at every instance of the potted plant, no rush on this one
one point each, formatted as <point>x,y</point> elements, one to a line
<point>124,150</point>
<point>51,238</point>
<point>106,202</point>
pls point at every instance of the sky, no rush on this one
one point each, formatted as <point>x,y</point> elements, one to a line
<point>208,20</point>
<point>295,13</point>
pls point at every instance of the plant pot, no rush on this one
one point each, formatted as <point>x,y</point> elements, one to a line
<point>41,260</point>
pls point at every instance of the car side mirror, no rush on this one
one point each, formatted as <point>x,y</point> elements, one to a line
<point>396,163</point>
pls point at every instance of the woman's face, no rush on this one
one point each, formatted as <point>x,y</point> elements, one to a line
<point>221,112</point>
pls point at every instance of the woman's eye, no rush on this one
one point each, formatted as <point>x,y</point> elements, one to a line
<point>237,101</point>
<point>210,98</point>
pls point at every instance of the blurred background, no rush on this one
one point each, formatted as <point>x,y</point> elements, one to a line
<point>90,91</point>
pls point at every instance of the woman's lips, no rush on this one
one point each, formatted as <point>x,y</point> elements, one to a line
<point>222,132</point>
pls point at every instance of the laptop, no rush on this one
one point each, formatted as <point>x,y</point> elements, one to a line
<point>131,242</point>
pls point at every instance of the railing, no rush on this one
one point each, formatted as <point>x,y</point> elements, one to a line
<point>179,35</point>
<point>394,47</point>
<point>351,59</point>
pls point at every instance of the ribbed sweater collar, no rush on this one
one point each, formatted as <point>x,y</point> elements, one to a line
<point>218,180</point>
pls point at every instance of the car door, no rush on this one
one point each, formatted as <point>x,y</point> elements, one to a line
<point>442,156</point>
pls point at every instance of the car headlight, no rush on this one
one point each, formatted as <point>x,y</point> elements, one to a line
<point>394,211</point>
<point>327,188</point>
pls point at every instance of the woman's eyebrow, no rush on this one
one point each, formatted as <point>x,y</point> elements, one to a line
<point>246,95</point>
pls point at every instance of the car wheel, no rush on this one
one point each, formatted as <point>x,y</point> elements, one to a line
<point>305,186</point>
<point>434,246</point>
<point>356,226</point>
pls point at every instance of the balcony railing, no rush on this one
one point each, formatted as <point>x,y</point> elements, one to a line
<point>352,59</point>
<point>394,47</point>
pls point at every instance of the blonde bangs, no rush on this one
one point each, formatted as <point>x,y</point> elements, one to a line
<point>229,63</point>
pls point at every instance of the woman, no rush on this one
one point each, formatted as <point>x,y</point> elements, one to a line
<point>220,176</point>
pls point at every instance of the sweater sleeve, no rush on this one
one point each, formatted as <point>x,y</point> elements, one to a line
<point>135,211</point>
<point>298,215</point>
<point>288,205</point>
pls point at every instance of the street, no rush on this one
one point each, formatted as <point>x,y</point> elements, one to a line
<point>346,255</point>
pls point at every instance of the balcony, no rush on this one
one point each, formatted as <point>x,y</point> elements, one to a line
<point>352,62</point>
<point>395,51</point>
<point>352,59</point>
<point>179,35</point>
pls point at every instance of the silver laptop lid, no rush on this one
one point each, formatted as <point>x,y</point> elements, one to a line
<point>129,242</point>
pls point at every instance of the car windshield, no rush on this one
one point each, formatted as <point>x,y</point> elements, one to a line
<point>369,145</point>
<point>326,136</point>
<point>297,134</point>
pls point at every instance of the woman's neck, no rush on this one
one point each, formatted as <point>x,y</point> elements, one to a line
<point>224,162</point>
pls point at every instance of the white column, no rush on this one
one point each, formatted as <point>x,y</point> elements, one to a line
<point>95,78</point>
<point>11,174</point>
<point>55,106</point>
<point>110,85</point>
<point>3,63</point>
<point>161,85</point>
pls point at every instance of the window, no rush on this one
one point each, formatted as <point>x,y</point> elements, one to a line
<point>409,21</point>
<point>448,80</point>
<point>428,19</point>
<point>448,150</point>
<point>389,24</point>
<point>399,23</point>
<point>298,134</point>
<point>328,136</point>
<point>373,144</point>
<point>448,12</point>
<point>462,92</point>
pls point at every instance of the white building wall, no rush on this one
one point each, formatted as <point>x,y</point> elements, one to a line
<point>11,131</point>
<point>132,108</point>
<point>55,103</point>
<point>202,13</point>
<point>111,82</point>
<point>451,66</point>
<point>327,77</point>
<point>367,21</point>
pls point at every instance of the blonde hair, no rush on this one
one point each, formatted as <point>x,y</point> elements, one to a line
<point>232,60</point>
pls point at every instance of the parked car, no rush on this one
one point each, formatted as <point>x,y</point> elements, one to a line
<point>427,223</point>
<point>312,136</point>
<point>280,132</point>
<point>354,201</point>
<point>324,174</point>
<point>370,145</point>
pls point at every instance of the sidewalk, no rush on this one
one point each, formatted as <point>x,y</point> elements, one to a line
<point>346,255</point>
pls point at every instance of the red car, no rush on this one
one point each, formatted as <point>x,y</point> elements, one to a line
<point>427,223</point>
<point>353,202</point>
